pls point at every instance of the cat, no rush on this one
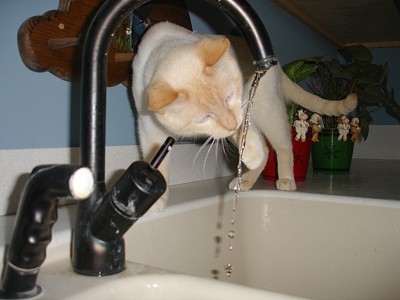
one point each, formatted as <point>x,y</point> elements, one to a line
<point>186,84</point>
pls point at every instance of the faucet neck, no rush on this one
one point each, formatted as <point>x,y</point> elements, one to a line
<point>91,256</point>
<point>253,31</point>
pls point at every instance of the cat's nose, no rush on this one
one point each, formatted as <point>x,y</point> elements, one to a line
<point>229,123</point>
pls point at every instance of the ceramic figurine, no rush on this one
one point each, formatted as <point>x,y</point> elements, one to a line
<point>355,129</point>
<point>343,127</point>
<point>301,125</point>
<point>315,122</point>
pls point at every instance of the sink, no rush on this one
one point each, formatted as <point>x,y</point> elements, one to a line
<point>58,281</point>
<point>304,245</point>
<point>173,286</point>
<point>308,245</point>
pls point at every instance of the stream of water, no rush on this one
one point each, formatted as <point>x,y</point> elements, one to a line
<point>231,234</point>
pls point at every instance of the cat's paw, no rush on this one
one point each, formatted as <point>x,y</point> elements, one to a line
<point>245,185</point>
<point>161,203</point>
<point>233,184</point>
<point>286,184</point>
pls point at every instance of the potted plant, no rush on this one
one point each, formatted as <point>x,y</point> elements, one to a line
<point>332,79</point>
<point>297,71</point>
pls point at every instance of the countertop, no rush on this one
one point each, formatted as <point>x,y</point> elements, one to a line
<point>368,178</point>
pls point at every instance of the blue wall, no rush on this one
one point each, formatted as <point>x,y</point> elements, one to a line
<point>38,110</point>
<point>392,57</point>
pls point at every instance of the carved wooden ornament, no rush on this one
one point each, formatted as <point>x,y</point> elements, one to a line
<point>54,41</point>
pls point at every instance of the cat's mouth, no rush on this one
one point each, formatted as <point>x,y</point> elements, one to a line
<point>226,133</point>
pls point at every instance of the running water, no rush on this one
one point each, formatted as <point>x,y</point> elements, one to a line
<point>246,124</point>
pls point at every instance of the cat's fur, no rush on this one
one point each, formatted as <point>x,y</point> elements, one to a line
<point>187,84</point>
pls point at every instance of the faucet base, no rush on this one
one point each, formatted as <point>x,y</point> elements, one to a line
<point>18,284</point>
<point>93,257</point>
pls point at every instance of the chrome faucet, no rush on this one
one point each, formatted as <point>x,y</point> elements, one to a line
<point>104,255</point>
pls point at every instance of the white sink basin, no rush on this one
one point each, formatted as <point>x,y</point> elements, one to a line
<point>307,245</point>
<point>173,286</point>
<point>312,246</point>
<point>139,282</point>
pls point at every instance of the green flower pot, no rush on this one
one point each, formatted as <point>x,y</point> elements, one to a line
<point>331,156</point>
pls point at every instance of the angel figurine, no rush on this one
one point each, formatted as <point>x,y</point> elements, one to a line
<point>315,122</point>
<point>355,129</point>
<point>343,127</point>
<point>301,125</point>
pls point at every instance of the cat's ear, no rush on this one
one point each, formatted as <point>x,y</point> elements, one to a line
<point>160,95</point>
<point>212,49</point>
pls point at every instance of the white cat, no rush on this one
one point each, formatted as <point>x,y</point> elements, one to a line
<point>188,84</point>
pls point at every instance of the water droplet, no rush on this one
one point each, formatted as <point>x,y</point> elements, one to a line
<point>228,268</point>
<point>231,235</point>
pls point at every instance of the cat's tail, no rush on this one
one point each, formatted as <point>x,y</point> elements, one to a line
<point>295,93</point>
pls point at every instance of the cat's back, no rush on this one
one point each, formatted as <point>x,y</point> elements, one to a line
<point>161,39</point>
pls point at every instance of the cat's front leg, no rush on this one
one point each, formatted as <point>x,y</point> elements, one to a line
<point>286,180</point>
<point>284,155</point>
<point>254,157</point>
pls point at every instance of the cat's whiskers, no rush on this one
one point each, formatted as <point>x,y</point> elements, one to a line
<point>228,149</point>
<point>205,159</point>
<point>201,148</point>
<point>218,142</point>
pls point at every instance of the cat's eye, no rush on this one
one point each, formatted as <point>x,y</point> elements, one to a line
<point>204,119</point>
<point>228,99</point>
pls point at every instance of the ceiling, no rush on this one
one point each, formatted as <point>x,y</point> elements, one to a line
<point>373,23</point>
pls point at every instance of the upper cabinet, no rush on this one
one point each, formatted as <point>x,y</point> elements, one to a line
<point>373,23</point>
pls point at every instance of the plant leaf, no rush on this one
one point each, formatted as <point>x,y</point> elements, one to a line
<point>356,53</point>
<point>299,70</point>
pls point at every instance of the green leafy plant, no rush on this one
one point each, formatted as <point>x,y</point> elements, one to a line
<point>332,79</point>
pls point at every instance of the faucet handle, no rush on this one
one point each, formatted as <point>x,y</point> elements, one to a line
<point>162,152</point>
<point>131,197</point>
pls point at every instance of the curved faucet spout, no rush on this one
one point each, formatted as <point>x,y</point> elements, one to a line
<point>253,31</point>
<point>93,104</point>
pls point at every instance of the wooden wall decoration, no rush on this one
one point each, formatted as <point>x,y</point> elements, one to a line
<point>53,42</point>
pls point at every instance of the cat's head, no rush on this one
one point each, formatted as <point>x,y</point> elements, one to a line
<point>198,91</point>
